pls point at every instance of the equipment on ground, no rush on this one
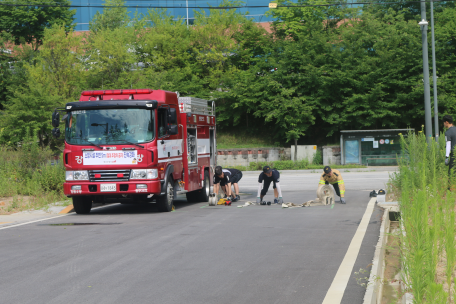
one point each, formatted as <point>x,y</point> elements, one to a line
<point>325,194</point>
<point>212,199</point>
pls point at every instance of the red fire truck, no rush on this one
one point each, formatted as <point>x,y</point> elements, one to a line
<point>137,146</point>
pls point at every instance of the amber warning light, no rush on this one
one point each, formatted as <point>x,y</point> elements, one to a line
<point>116,92</point>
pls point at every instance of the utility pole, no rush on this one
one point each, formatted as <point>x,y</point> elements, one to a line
<point>427,91</point>
<point>186,3</point>
<point>434,77</point>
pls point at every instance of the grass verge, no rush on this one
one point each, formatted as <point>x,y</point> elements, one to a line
<point>239,141</point>
<point>291,165</point>
<point>427,220</point>
<point>29,180</point>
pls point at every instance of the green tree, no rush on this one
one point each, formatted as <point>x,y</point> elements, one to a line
<point>164,49</point>
<point>252,47</point>
<point>292,21</point>
<point>109,58</point>
<point>213,44</point>
<point>445,42</point>
<point>26,21</point>
<point>59,65</point>
<point>372,78</point>
<point>12,71</point>
<point>53,78</point>
<point>115,15</point>
<point>30,109</point>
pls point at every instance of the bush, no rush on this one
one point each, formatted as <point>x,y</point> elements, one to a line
<point>318,158</point>
<point>51,177</point>
<point>27,171</point>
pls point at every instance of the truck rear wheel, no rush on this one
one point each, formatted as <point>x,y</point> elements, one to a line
<point>165,202</point>
<point>82,204</point>
<point>203,194</point>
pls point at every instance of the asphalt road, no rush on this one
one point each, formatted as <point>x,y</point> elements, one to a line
<point>196,254</point>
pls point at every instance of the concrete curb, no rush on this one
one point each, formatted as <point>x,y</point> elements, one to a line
<point>374,289</point>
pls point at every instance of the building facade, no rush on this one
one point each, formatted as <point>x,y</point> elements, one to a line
<point>86,9</point>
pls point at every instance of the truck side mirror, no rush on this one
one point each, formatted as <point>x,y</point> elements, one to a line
<point>56,132</point>
<point>172,130</point>
<point>55,119</point>
<point>172,116</point>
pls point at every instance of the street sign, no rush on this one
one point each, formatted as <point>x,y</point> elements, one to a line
<point>272,5</point>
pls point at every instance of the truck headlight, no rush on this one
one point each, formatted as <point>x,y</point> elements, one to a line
<point>76,175</point>
<point>144,173</point>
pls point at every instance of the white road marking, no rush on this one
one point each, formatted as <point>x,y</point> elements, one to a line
<point>339,284</point>
<point>48,218</point>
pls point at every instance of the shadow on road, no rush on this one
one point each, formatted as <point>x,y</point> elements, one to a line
<point>140,208</point>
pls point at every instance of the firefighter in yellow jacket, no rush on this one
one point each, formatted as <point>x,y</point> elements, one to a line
<point>334,178</point>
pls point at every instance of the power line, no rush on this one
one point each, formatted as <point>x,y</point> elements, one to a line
<point>217,7</point>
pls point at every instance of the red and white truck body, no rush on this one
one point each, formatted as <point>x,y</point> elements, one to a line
<point>137,145</point>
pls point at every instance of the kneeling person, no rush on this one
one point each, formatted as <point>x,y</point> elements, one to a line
<point>225,178</point>
<point>266,177</point>
<point>333,177</point>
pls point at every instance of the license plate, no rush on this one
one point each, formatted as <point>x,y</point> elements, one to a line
<point>108,188</point>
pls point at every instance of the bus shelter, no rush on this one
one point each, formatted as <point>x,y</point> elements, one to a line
<point>371,147</point>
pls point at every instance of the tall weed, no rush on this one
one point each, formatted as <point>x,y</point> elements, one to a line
<point>28,171</point>
<point>427,217</point>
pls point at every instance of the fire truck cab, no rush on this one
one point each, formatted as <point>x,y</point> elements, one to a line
<point>137,146</point>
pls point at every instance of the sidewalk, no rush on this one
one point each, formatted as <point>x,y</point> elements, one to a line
<point>32,215</point>
<point>39,215</point>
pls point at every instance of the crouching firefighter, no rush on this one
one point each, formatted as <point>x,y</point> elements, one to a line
<point>266,177</point>
<point>334,178</point>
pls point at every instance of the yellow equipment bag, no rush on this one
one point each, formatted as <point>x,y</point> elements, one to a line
<point>221,201</point>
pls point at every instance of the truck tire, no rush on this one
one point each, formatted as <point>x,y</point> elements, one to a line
<point>165,202</point>
<point>203,194</point>
<point>82,204</point>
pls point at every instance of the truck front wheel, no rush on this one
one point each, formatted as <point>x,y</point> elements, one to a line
<point>165,202</point>
<point>82,204</point>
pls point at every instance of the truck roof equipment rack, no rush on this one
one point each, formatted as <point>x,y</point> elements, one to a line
<point>195,105</point>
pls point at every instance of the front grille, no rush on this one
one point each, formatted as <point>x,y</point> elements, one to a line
<point>109,175</point>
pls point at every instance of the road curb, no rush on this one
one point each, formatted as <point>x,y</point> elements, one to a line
<point>374,289</point>
<point>67,209</point>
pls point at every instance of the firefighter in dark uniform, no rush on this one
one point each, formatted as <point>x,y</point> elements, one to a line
<point>333,177</point>
<point>267,176</point>
<point>450,138</point>
<point>225,178</point>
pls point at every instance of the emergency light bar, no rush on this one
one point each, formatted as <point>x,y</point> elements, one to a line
<point>111,104</point>
<point>116,92</point>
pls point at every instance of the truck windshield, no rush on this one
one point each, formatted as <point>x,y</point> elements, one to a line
<point>109,126</point>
